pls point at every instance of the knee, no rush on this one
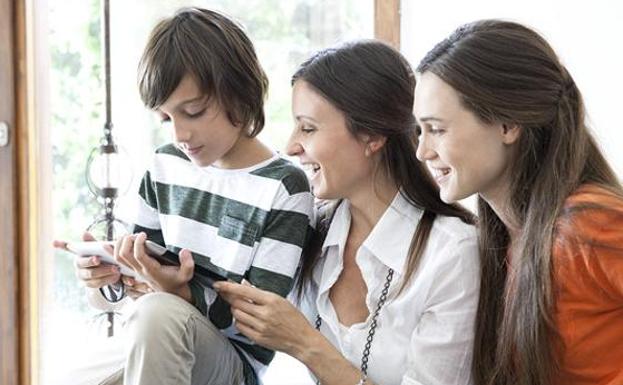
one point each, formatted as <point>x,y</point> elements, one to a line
<point>158,315</point>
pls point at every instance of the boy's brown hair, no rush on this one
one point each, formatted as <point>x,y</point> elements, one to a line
<point>216,52</point>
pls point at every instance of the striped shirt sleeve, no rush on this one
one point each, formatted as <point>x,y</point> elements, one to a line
<point>278,253</point>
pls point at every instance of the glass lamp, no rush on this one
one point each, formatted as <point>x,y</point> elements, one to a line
<point>108,175</point>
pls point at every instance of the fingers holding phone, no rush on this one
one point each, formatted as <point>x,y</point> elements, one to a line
<point>170,278</point>
<point>90,269</point>
<point>123,252</point>
<point>96,274</point>
<point>135,289</point>
<point>103,263</point>
<point>130,251</point>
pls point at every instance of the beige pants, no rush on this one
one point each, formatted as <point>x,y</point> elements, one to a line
<point>170,342</point>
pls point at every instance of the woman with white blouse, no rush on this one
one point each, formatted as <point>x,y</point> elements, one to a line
<point>389,289</point>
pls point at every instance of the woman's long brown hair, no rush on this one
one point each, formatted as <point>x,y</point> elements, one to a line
<point>373,86</point>
<point>507,73</point>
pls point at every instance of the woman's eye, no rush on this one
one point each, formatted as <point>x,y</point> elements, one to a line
<point>435,131</point>
<point>307,129</point>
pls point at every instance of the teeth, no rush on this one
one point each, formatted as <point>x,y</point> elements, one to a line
<point>312,167</point>
<point>440,172</point>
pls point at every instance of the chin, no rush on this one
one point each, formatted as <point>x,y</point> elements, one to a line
<point>199,163</point>
<point>448,197</point>
<point>448,200</point>
<point>319,194</point>
<point>322,193</point>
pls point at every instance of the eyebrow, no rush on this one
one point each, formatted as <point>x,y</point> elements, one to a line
<point>299,117</point>
<point>430,118</point>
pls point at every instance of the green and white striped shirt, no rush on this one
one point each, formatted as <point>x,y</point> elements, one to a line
<point>248,223</point>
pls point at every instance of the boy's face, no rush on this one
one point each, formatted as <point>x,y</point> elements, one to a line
<point>200,127</point>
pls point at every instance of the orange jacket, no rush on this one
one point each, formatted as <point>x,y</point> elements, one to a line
<point>587,268</point>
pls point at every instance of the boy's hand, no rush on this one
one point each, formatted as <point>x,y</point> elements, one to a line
<point>130,250</point>
<point>90,270</point>
<point>135,289</point>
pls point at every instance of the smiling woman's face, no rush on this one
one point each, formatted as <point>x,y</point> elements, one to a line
<point>334,158</point>
<point>464,154</point>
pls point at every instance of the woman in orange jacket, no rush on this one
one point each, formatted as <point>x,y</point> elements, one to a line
<point>501,117</point>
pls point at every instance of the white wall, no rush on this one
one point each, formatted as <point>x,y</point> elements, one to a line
<point>587,35</point>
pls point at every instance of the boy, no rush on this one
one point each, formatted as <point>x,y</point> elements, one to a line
<point>218,197</point>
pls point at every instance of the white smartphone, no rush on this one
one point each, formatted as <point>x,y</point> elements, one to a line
<point>99,248</point>
<point>203,274</point>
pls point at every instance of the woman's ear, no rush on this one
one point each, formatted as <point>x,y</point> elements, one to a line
<point>374,144</point>
<point>510,133</point>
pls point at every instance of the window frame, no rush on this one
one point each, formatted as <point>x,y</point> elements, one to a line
<point>387,21</point>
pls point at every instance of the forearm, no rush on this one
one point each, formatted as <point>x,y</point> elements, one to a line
<point>327,363</point>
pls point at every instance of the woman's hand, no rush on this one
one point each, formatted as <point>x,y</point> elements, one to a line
<point>130,251</point>
<point>267,318</point>
<point>90,270</point>
<point>275,323</point>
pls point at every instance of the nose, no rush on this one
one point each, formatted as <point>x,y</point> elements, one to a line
<point>294,146</point>
<point>424,151</point>
<point>180,133</point>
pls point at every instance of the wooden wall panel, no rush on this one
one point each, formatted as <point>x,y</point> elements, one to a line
<point>9,332</point>
<point>25,199</point>
<point>387,21</point>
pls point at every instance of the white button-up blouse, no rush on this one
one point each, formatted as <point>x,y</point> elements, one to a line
<point>425,335</point>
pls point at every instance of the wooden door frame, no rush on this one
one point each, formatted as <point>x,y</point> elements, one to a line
<point>387,21</point>
<point>19,198</point>
<point>9,266</point>
<point>22,96</point>
<point>33,174</point>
